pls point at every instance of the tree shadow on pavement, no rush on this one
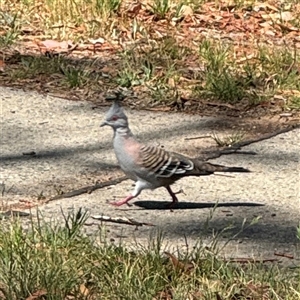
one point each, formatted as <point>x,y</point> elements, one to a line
<point>270,230</point>
<point>270,227</point>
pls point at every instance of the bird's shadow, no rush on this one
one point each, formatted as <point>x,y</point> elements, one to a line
<point>152,204</point>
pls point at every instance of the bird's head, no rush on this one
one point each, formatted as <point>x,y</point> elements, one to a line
<point>115,117</point>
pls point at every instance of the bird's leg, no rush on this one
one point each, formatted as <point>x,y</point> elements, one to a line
<point>172,194</point>
<point>123,201</point>
<point>137,190</point>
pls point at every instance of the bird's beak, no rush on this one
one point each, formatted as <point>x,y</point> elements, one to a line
<point>103,124</point>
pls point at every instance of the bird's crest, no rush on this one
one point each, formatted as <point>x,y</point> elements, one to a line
<point>116,110</point>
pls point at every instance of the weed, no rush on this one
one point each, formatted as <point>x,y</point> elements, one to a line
<point>220,78</point>
<point>238,4</point>
<point>40,196</point>
<point>160,8</point>
<point>214,54</point>
<point>11,25</point>
<point>163,88</point>
<point>127,78</point>
<point>74,222</point>
<point>294,102</point>
<point>74,76</point>
<point>135,28</point>
<point>58,190</point>
<point>147,69</point>
<point>4,190</point>
<point>32,66</point>
<point>137,68</point>
<point>106,7</point>
<point>171,50</point>
<point>278,66</point>
<point>163,94</point>
<point>228,141</point>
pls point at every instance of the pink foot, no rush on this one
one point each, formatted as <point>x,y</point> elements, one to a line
<point>173,195</point>
<point>121,202</point>
<point>174,198</point>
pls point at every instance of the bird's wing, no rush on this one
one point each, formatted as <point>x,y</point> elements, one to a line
<point>163,163</point>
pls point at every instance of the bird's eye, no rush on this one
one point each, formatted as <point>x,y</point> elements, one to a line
<point>114,118</point>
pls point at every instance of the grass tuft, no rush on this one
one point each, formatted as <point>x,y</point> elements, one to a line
<point>62,262</point>
<point>160,8</point>
<point>10,30</point>
<point>229,141</point>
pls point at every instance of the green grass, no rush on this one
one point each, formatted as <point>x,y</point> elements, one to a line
<point>61,70</point>
<point>294,102</point>
<point>34,66</point>
<point>160,8</point>
<point>61,261</point>
<point>11,28</point>
<point>220,77</point>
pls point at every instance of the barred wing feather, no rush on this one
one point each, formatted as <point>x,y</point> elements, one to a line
<point>164,163</point>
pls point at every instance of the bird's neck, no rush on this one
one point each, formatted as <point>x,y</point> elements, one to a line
<point>124,132</point>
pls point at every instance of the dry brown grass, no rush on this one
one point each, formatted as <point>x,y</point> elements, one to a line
<point>169,53</point>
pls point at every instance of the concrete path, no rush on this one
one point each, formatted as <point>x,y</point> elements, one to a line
<point>71,152</point>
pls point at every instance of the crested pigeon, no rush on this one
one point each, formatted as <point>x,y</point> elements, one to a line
<point>152,167</point>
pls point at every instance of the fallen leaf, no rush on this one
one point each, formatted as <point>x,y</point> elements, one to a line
<point>97,41</point>
<point>186,11</point>
<point>171,82</point>
<point>2,65</point>
<point>167,294</point>
<point>186,267</point>
<point>264,6</point>
<point>269,32</point>
<point>279,97</point>
<point>288,27</point>
<point>52,45</point>
<point>283,16</point>
<point>134,8</point>
<point>28,30</point>
<point>36,295</point>
<point>265,24</point>
<point>84,291</point>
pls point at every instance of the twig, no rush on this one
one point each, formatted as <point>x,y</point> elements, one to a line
<point>286,115</point>
<point>198,137</point>
<point>14,213</point>
<point>250,260</point>
<point>221,105</point>
<point>63,96</point>
<point>90,224</point>
<point>88,189</point>
<point>120,220</point>
<point>284,255</point>
<point>225,175</point>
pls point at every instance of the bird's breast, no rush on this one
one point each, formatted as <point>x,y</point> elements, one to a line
<point>127,156</point>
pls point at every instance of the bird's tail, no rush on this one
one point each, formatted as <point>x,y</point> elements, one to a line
<point>206,168</point>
